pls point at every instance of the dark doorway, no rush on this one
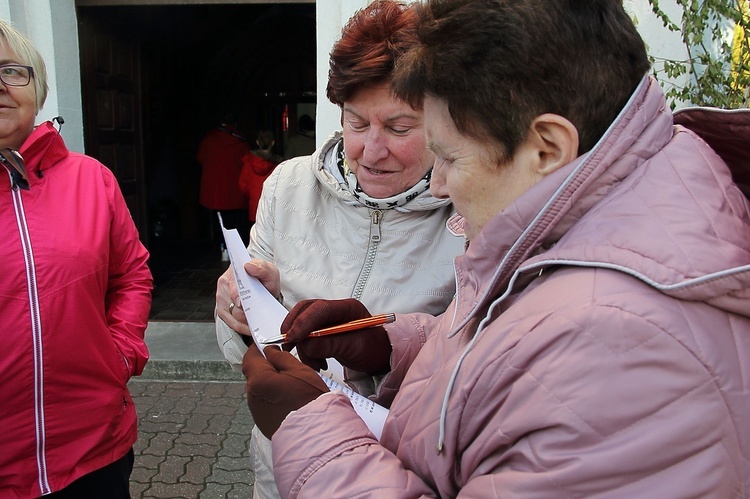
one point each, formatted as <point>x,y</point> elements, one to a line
<point>194,63</point>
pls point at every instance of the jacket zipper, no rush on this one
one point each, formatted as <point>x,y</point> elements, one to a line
<point>376,217</point>
<point>36,335</point>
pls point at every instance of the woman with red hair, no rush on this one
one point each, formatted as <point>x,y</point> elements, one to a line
<point>356,218</point>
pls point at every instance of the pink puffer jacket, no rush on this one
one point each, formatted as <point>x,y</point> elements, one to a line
<point>599,343</point>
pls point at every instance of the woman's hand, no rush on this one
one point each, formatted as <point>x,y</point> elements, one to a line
<point>228,305</point>
<point>365,350</point>
<point>277,385</point>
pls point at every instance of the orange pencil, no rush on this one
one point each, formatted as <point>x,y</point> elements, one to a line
<point>375,320</point>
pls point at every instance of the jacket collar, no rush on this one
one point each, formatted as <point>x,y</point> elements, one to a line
<point>553,223</point>
<point>42,149</point>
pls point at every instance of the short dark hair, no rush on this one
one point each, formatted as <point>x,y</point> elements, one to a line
<point>499,64</point>
<point>371,42</point>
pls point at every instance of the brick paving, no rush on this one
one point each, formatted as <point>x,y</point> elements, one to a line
<point>193,440</point>
<point>194,424</point>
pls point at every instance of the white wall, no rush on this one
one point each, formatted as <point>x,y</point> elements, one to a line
<point>660,42</point>
<point>67,76</point>
<point>331,17</point>
<point>664,44</point>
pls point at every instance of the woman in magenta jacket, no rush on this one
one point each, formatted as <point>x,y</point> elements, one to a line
<point>75,292</point>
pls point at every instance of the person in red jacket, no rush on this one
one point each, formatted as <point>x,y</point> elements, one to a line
<point>256,167</point>
<point>220,156</point>
<point>75,292</point>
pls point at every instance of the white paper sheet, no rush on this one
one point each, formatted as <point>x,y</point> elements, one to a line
<point>267,313</point>
<point>265,319</point>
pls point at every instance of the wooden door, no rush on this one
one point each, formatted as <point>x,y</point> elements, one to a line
<point>110,81</point>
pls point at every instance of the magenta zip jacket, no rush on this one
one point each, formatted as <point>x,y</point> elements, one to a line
<point>75,292</point>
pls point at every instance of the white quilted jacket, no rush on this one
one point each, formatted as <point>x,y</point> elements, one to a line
<point>328,245</point>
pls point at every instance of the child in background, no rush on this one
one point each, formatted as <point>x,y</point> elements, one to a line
<point>257,165</point>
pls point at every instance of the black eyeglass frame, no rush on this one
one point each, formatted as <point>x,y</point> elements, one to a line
<point>30,69</point>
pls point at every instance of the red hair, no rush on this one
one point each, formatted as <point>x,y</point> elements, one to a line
<point>371,42</point>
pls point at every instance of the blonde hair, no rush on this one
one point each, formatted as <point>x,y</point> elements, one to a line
<point>13,41</point>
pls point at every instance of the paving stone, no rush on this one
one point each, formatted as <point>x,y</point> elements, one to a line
<point>193,440</point>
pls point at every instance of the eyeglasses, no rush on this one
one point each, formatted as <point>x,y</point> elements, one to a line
<point>16,75</point>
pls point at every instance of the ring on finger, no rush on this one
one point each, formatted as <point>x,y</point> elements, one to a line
<point>231,307</point>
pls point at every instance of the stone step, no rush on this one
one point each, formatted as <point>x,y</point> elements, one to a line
<point>185,351</point>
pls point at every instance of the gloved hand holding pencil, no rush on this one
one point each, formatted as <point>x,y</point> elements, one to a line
<point>366,350</point>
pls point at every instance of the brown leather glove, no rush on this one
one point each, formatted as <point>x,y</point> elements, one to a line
<point>277,385</point>
<point>366,350</point>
